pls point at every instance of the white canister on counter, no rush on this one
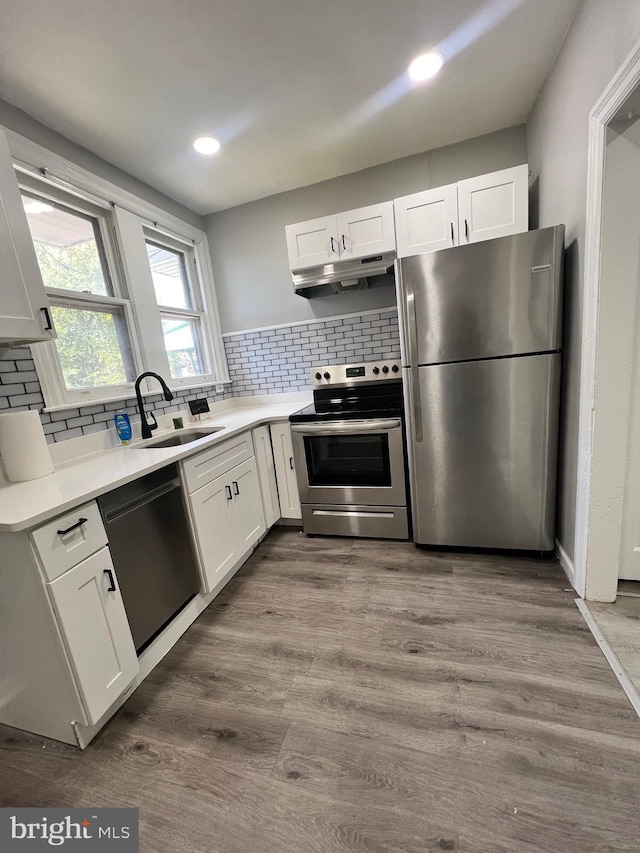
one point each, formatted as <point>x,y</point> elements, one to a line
<point>23,447</point>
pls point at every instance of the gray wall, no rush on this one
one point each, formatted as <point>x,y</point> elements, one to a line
<point>25,125</point>
<point>601,36</point>
<point>248,247</point>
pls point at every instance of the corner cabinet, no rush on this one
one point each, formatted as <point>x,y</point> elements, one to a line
<point>475,209</point>
<point>266,474</point>
<point>288,495</point>
<point>25,313</point>
<point>344,236</point>
<point>225,507</point>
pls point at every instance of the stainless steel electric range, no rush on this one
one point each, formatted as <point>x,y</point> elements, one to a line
<point>350,452</point>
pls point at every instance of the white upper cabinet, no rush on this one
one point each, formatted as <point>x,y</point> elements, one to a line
<point>25,314</point>
<point>345,236</point>
<point>312,243</point>
<point>476,209</point>
<point>494,205</point>
<point>427,221</point>
<point>366,231</point>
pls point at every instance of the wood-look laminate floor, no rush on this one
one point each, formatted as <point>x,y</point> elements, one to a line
<point>356,695</point>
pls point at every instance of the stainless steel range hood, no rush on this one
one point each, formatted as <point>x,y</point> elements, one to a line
<point>345,276</point>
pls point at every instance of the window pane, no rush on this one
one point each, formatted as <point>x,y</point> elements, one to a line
<point>184,349</point>
<point>93,345</point>
<point>68,247</point>
<point>169,277</point>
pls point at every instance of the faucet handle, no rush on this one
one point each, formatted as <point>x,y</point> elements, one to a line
<point>151,421</point>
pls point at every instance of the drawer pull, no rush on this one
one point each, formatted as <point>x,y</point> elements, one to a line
<point>236,488</point>
<point>78,523</point>
<point>229,495</point>
<point>112,583</point>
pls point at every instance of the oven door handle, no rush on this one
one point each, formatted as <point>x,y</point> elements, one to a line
<point>347,427</point>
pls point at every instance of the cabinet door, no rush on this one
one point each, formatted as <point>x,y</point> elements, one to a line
<point>24,307</point>
<point>96,632</point>
<point>266,474</point>
<point>285,471</point>
<point>426,221</point>
<point>494,205</point>
<point>212,511</point>
<point>312,243</point>
<point>247,505</point>
<point>366,231</point>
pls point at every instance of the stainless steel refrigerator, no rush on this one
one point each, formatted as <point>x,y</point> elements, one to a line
<point>481,338</point>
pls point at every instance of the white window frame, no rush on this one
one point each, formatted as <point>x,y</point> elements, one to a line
<point>45,355</point>
<point>197,311</point>
<point>131,214</point>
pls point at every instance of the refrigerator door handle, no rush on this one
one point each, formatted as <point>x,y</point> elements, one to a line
<point>412,335</point>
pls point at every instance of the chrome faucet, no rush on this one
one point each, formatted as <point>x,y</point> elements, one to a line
<point>145,426</point>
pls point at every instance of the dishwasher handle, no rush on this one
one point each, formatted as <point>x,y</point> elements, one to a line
<point>138,501</point>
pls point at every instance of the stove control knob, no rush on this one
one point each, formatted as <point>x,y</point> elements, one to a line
<point>327,375</point>
<point>318,376</point>
<point>395,368</point>
<point>376,370</point>
<point>385,369</point>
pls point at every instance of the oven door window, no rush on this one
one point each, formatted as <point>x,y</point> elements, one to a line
<point>348,460</point>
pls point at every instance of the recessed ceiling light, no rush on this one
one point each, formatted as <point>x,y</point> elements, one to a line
<point>425,66</point>
<point>34,206</point>
<point>206,145</point>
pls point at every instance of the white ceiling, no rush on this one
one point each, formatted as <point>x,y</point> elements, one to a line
<point>297,91</point>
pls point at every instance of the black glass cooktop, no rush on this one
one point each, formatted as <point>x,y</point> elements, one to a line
<point>331,404</point>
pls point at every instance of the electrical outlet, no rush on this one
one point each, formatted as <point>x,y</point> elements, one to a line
<point>198,407</point>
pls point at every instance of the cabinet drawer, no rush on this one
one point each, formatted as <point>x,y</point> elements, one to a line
<point>210,464</point>
<point>59,550</point>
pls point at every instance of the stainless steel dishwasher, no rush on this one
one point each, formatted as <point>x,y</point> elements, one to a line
<point>150,543</point>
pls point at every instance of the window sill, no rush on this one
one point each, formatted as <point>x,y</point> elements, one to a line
<point>81,404</point>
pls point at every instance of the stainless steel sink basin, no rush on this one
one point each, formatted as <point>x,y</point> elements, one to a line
<point>182,437</point>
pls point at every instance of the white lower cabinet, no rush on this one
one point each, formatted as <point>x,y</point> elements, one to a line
<point>266,474</point>
<point>95,630</point>
<point>285,472</point>
<point>228,521</point>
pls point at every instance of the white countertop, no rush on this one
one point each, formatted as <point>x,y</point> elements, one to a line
<point>75,481</point>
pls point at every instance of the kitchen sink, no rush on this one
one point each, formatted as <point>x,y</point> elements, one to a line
<point>181,437</point>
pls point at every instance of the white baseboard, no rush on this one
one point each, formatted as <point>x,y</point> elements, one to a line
<point>567,563</point>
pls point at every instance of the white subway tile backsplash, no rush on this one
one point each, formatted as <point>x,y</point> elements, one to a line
<point>270,360</point>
